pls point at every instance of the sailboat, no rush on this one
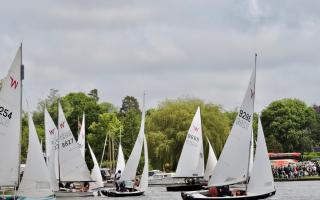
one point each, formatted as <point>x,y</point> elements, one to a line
<point>130,170</point>
<point>35,182</point>
<point>191,161</point>
<point>82,137</point>
<point>233,165</point>
<point>10,125</point>
<point>72,166</point>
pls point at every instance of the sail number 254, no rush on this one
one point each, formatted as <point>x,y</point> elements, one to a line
<point>245,116</point>
<point>5,112</point>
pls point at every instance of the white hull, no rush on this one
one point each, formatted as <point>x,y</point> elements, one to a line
<point>73,194</point>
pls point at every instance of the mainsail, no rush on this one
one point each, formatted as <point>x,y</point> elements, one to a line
<point>232,166</point>
<point>261,178</point>
<point>10,123</point>
<point>82,137</point>
<point>130,169</point>
<point>95,172</point>
<point>36,180</point>
<point>72,165</point>
<point>51,134</point>
<point>191,162</point>
<point>211,163</point>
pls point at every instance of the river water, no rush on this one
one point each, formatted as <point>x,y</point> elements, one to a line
<point>295,190</point>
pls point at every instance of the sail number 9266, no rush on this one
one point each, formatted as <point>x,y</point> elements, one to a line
<point>245,116</point>
<point>5,112</point>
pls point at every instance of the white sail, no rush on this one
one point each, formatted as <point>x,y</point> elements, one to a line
<point>251,153</point>
<point>36,180</point>
<point>261,178</point>
<point>72,165</point>
<point>191,162</point>
<point>130,169</point>
<point>232,166</point>
<point>145,173</point>
<point>211,162</point>
<point>82,137</point>
<point>95,172</point>
<point>51,134</point>
<point>10,123</point>
<point>120,161</point>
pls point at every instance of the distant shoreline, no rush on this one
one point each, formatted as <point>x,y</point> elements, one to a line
<point>311,178</point>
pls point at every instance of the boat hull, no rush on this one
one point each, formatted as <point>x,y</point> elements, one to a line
<point>73,194</point>
<point>113,193</point>
<point>184,187</point>
<point>194,196</point>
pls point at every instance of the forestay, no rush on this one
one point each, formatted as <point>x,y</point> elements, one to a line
<point>95,172</point>
<point>82,137</point>
<point>191,161</point>
<point>120,160</point>
<point>10,123</point>
<point>211,163</point>
<point>130,169</point>
<point>36,180</point>
<point>232,166</point>
<point>51,133</point>
<point>72,165</point>
<point>261,178</point>
<point>145,173</point>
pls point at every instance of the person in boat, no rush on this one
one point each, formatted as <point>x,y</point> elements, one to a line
<point>213,192</point>
<point>85,187</point>
<point>117,179</point>
<point>136,184</point>
<point>224,191</point>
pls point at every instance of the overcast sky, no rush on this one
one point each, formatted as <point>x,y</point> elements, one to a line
<point>171,49</point>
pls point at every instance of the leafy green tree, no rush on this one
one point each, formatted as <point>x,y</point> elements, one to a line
<point>289,121</point>
<point>129,103</point>
<point>167,127</point>
<point>107,125</point>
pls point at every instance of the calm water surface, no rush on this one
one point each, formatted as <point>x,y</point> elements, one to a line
<point>299,190</point>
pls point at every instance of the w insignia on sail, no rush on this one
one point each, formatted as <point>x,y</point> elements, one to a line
<point>14,83</point>
<point>62,125</point>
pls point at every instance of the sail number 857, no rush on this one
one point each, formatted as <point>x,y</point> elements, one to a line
<point>5,112</point>
<point>245,116</point>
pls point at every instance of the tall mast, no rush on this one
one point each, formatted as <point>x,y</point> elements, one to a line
<point>104,148</point>
<point>59,145</point>
<point>254,85</point>
<point>20,121</point>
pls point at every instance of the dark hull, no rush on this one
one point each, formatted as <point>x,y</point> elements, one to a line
<point>186,196</point>
<point>113,193</point>
<point>187,187</point>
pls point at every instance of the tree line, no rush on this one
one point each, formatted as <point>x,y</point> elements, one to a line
<point>289,125</point>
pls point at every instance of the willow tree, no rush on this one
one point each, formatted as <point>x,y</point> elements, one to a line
<point>167,127</point>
